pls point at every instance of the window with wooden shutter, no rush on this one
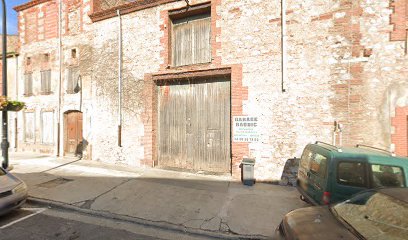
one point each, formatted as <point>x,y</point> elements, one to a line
<point>47,127</point>
<point>46,82</point>
<point>29,127</point>
<point>28,84</point>
<point>72,79</point>
<point>191,38</point>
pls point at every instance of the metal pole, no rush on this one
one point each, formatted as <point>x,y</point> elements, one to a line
<point>120,79</point>
<point>4,142</point>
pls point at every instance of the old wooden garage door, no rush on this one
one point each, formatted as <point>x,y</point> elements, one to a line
<point>194,125</point>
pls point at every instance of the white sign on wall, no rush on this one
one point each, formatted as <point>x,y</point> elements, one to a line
<point>245,129</point>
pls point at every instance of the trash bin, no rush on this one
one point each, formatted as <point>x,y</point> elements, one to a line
<point>247,171</point>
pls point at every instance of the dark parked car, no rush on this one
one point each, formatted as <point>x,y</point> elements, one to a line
<point>373,215</point>
<point>13,192</point>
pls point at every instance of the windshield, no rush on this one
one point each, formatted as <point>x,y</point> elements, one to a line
<point>375,216</point>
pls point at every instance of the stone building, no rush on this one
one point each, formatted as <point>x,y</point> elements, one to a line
<point>12,73</point>
<point>182,84</point>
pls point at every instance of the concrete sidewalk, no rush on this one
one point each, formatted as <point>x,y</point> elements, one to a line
<point>192,201</point>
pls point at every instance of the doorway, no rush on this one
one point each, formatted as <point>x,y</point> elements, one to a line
<point>73,133</point>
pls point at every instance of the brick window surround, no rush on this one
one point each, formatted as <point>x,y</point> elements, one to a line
<point>165,27</point>
<point>238,95</point>
<point>400,135</point>
<point>399,20</point>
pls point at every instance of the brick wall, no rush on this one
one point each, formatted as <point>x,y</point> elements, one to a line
<point>50,18</point>
<point>399,20</point>
<point>400,136</point>
<point>38,20</point>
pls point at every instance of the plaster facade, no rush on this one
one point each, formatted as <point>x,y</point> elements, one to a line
<point>347,62</point>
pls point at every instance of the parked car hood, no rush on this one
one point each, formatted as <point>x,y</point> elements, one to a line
<point>315,223</point>
<point>8,182</point>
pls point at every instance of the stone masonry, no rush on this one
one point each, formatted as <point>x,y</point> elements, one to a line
<point>347,62</point>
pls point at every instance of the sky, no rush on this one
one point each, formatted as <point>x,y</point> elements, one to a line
<point>11,16</point>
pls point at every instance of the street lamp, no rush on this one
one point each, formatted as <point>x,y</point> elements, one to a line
<point>4,142</point>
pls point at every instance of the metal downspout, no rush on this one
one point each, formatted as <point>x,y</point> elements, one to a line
<point>60,79</point>
<point>119,79</point>
<point>16,115</point>
<point>283,45</point>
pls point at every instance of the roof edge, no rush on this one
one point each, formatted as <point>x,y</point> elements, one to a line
<point>29,5</point>
<point>127,8</point>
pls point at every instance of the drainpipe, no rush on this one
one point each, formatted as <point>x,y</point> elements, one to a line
<point>119,78</point>
<point>16,115</point>
<point>283,45</point>
<point>60,79</point>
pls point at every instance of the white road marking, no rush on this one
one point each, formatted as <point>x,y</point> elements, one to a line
<point>36,211</point>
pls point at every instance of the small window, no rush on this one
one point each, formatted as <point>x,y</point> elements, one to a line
<point>29,127</point>
<point>352,174</point>
<point>47,124</point>
<point>28,61</point>
<point>28,84</point>
<point>318,165</point>
<point>46,57</point>
<point>387,176</point>
<point>72,79</point>
<point>46,82</point>
<point>191,38</point>
<point>73,53</point>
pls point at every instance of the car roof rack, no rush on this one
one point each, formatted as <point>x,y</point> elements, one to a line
<point>374,148</point>
<point>329,145</point>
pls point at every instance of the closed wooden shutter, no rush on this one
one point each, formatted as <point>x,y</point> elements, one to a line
<point>191,40</point>
<point>47,124</point>
<point>46,82</point>
<point>72,79</point>
<point>28,84</point>
<point>29,127</point>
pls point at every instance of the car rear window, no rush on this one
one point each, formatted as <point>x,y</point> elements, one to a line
<point>305,160</point>
<point>318,165</point>
<point>387,176</point>
<point>352,174</point>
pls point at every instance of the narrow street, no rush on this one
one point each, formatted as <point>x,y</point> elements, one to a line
<point>35,223</point>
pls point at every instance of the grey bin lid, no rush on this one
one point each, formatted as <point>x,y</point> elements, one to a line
<point>248,161</point>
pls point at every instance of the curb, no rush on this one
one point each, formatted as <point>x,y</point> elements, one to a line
<point>140,221</point>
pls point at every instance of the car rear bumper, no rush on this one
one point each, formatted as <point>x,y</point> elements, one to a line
<point>306,196</point>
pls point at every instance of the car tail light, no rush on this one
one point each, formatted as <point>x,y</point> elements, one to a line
<point>326,198</point>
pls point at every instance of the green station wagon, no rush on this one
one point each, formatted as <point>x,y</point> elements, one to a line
<point>329,174</point>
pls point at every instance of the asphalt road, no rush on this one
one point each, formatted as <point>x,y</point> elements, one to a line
<point>34,223</point>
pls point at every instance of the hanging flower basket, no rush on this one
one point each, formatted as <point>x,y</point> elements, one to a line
<point>9,105</point>
<point>15,106</point>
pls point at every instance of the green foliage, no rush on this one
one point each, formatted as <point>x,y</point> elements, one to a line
<point>10,105</point>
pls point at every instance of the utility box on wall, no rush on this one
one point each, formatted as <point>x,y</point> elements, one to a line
<point>247,171</point>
